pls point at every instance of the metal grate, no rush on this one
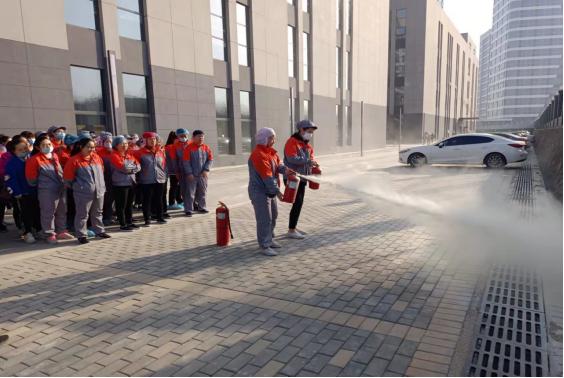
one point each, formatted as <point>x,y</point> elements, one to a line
<point>510,337</point>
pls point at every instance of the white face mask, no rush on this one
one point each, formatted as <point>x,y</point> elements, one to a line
<point>308,136</point>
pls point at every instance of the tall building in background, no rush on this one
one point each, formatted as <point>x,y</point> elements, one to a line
<point>521,57</point>
<point>227,67</point>
<point>433,74</point>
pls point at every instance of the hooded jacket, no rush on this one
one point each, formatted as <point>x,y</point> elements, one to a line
<point>105,154</point>
<point>85,176</point>
<point>177,156</point>
<point>153,169</point>
<point>45,173</point>
<point>264,167</point>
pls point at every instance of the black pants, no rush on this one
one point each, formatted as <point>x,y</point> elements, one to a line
<point>297,207</point>
<point>152,199</point>
<point>71,207</point>
<point>108,202</point>
<point>174,195</point>
<point>17,212</point>
<point>30,213</point>
<point>124,197</point>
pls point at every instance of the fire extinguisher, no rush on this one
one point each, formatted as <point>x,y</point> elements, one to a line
<point>291,190</point>
<point>314,171</point>
<point>223,225</point>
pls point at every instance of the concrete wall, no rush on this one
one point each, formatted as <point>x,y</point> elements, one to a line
<point>38,48</point>
<point>548,147</point>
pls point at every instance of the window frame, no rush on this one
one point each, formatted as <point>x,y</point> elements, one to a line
<point>249,120</point>
<point>246,27</point>
<point>138,115</point>
<point>104,112</point>
<point>222,119</point>
<point>224,27</point>
<point>141,20</point>
<point>96,15</point>
<point>306,38</point>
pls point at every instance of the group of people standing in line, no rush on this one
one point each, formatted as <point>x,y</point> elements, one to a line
<point>56,181</point>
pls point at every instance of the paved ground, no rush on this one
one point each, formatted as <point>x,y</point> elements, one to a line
<point>387,283</point>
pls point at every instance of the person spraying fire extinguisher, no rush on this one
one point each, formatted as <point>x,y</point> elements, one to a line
<point>298,155</point>
<point>264,187</point>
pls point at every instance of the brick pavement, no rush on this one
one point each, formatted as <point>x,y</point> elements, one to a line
<point>367,293</point>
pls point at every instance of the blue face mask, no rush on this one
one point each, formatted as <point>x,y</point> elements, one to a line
<point>183,140</point>
<point>47,150</point>
<point>60,135</point>
<point>32,141</point>
<point>23,155</point>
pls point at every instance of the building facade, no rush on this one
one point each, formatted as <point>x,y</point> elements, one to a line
<point>227,67</point>
<point>433,73</point>
<point>523,60</point>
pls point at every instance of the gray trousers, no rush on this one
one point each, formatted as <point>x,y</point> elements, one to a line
<point>83,206</point>
<point>53,206</point>
<point>195,190</point>
<point>266,213</point>
<point>182,182</point>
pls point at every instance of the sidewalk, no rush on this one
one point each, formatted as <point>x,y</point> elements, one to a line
<point>367,293</point>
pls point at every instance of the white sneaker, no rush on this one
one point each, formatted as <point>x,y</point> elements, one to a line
<point>275,245</point>
<point>269,252</point>
<point>29,239</point>
<point>295,235</point>
<point>302,232</point>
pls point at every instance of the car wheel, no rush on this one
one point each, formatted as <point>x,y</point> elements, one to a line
<point>417,160</point>
<point>495,160</point>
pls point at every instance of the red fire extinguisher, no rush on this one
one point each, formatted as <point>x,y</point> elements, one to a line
<point>291,190</point>
<point>223,225</point>
<point>314,171</point>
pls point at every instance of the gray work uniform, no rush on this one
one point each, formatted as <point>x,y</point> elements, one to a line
<point>47,175</point>
<point>86,178</point>
<point>264,185</point>
<point>196,159</point>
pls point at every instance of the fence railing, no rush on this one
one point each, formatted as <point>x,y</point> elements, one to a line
<point>551,116</point>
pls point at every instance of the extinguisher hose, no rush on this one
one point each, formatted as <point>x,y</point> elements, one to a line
<point>229,222</point>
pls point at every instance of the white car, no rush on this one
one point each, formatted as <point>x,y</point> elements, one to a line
<point>492,150</point>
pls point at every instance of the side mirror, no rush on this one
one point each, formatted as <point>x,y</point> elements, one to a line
<point>441,145</point>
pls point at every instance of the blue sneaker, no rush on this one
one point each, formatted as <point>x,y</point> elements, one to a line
<point>181,205</point>
<point>175,207</point>
<point>91,233</point>
<point>106,222</point>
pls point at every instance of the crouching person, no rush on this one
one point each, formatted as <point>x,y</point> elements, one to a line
<point>264,187</point>
<point>197,160</point>
<point>84,172</point>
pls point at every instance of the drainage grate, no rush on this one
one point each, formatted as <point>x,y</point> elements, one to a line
<point>511,331</point>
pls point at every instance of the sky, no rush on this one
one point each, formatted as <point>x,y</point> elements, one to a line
<point>470,16</point>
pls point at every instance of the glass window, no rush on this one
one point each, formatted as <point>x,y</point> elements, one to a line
<point>242,33</point>
<point>401,13</point>
<point>306,109</point>
<point>291,53</point>
<point>96,123</point>
<point>83,13</point>
<point>222,121</point>
<point>130,19</point>
<point>348,120</point>
<point>246,121</point>
<point>348,68</point>
<point>348,17</point>
<point>400,31</point>
<point>219,47</point>
<point>88,97</point>
<point>305,37</point>
<point>135,93</point>
<point>136,105</point>
<point>87,89</point>
<point>305,6</point>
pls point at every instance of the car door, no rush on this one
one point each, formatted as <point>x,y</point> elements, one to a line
<point>476,147</point>
<point>448,151</point>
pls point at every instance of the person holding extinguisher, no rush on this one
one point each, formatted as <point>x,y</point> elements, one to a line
<point>298,156</point>
<point>264,187</point>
